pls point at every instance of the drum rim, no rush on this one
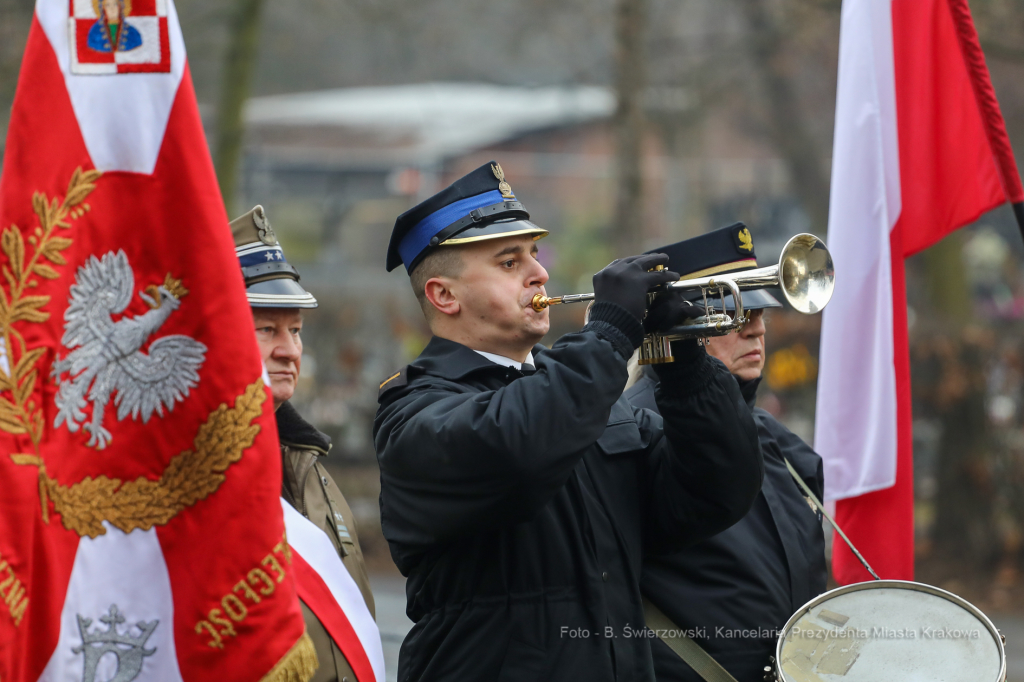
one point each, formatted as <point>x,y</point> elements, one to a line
<point>895,584</point>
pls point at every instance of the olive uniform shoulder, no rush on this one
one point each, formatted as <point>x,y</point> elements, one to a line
<point>309,487</point>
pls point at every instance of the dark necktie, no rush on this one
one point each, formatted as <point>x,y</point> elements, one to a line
<point>527,369</point>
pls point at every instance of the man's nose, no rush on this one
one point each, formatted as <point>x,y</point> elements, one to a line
<point>538,276</point>
<point>755,327</point>
<point>287,348</point>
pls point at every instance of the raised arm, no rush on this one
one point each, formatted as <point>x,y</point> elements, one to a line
<point>704,474</point>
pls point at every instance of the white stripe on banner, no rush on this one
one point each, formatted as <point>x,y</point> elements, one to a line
<point>122,117</point>
<point>855,421</point>
<point>121,585</point>
<point>313,545</point>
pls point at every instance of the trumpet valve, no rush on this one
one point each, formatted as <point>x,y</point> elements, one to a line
<point>655,350</point>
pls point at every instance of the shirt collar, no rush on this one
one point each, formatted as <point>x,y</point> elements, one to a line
<point>506,362</point>
<point>451,360</point>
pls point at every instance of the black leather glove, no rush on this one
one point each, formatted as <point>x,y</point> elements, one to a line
<point>625,281</point>
<point>668,310</point>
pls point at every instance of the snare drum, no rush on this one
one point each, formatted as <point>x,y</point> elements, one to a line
<point>889,631</point>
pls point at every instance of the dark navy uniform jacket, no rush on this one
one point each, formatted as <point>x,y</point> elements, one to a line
<point>519,506</point>
<point>738,588</point>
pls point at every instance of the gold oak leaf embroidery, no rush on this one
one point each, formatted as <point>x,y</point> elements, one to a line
<point>25,264</point>
<point>189,477</point>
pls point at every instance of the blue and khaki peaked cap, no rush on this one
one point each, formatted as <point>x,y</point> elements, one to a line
<point>475,207</point>
<point>270,280</point>
<point>719,252</point>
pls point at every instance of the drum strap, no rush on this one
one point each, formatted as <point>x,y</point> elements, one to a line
<point>817,503</point>
<point>708,668</point>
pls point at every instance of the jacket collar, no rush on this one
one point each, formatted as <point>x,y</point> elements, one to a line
<point>452,360</point>
<point>294,431</point>
<point>748,387</point>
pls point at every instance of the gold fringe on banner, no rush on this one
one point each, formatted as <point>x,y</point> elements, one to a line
<point>298,665</point>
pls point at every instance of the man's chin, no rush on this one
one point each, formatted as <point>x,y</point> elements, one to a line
<point>748,373</point>
<point>282,390</point>
<point>537,329</point>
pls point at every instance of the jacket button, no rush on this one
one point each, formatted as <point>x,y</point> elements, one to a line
<point>324,479</point>
<point>604,576</point>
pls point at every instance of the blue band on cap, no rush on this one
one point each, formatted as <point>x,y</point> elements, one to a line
<point>270,254</point>
<point>418,238</point>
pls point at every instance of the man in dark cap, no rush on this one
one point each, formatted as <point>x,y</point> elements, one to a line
<point>277,300</point>
<point>736,590</point>
<point>519,491</point>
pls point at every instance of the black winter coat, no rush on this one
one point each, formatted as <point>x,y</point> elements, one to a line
<point>519,507</point>
<point>738,588</point>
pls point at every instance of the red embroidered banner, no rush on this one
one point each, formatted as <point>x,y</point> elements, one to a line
<point>140,524</point>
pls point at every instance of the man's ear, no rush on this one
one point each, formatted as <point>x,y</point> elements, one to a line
<point>438,292</point>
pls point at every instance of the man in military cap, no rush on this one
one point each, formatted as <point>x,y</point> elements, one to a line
<point>519,490</point>
<point>277,300</point>
<point>737,589</point>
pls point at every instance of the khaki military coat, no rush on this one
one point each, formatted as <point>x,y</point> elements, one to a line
<point>310,489</point>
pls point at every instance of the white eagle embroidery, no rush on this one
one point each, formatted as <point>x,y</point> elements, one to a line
<point>106,355</point>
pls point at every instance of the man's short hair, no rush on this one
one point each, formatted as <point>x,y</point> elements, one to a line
<point>443,262</point>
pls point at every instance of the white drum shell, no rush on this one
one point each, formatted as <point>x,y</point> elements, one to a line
<point>889,630</point>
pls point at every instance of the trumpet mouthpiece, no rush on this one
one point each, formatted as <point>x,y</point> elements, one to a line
<point>540,301</point>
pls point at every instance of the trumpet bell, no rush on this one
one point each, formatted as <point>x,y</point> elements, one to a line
<point>807,275</point>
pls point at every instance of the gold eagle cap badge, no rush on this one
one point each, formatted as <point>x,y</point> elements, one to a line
<point>503,187</point>
<point>746,241</point>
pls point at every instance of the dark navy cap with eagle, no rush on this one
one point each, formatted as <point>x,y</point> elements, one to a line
<point>719,252</point>
<point>475,207</point>
<point>270,280</point>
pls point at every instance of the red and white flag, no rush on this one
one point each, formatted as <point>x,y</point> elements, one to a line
<point>920,150</point>
<point>141,533</point>
<point>326,587</point>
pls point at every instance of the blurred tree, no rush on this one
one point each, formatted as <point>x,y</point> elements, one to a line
<point>15,19</point>
<point>239,64</point>
<point>947,283</point>
<point>786,119</point>
<point>953,390</point>
<point>630,85</point>
<point>964,499</point>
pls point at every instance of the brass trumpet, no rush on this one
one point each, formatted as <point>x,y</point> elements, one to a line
<point>805,274</point>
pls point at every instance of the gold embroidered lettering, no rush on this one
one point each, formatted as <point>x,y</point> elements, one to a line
<point>18,611</point>
<point>272,561</point>
<point>247,591</point>
<point>238,612</point>
<point>229,629</point>
<point>10,579</point>
<point>259,575</point>
<point>216,642</point>
<point>12,593</point>
<point>15,594</point>
<point>284,549</point>
<point>232,605</point>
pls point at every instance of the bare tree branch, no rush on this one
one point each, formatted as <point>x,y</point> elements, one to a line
<point>237,81</point>
<point>786,121</point>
